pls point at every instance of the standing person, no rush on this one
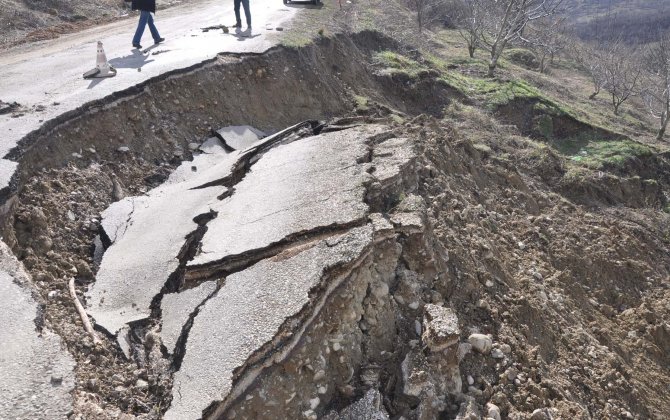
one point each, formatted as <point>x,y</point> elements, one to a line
<point>146,8</point>
<point>247,13</point>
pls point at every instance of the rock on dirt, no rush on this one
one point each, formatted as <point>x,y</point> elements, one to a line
<point>481,342</point>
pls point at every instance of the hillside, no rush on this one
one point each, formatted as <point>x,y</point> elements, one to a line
<point>631,19</point>
<point>355,223</point>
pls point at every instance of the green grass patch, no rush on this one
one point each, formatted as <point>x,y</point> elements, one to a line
<point>601,154</point>
<point>394,63</point>
<point>522,57</point>
<point>362,103</point>
<point>494,93</point>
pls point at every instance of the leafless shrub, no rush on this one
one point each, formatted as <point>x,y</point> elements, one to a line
<point>505,21</point>
<point>428,11</point>
<point>467,15</point>
<point>656,82</point>
<point>546,38</point>
<point>622,72</point>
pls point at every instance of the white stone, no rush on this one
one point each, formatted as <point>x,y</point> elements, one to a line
<point>497,354</point>
<point>481,342</point>
<point>463,350</point>
<point>493,411</point>
<point>539,414</point>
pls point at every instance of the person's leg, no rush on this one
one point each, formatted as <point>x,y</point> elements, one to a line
<point>247,12</point>
<point>237,13</point>
<point>154,32</point>
<point>140,27</point>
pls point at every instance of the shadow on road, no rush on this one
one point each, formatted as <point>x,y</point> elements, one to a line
<point>304,4</point>
<point>134,60</point>
<point>244,35</point>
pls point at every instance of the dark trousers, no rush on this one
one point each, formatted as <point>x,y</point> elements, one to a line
<point>145,18</point>
<point>247,12</point>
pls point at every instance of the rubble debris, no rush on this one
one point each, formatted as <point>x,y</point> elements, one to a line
<point>369,407</point>
<point>8,107</point>
<point>440,327</point>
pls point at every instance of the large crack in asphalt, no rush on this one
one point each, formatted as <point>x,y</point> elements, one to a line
<point>222,269</point>
<point>250,156</point>
<point>288,335</point>
<point>175,281</point>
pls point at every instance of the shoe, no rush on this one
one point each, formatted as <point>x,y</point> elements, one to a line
<point>138,46</point>
<point>158,41</point>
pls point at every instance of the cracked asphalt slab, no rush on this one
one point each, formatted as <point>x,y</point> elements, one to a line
<point>294,188</point>
<point>176,309</point>
<point>139,263</point>
<point>248,312</point>
<point>297,187</point>
<point>59,87</point>
<point>295,215</point>
<point>36,369</point>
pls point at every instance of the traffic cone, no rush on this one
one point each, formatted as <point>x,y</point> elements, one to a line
<point>102,67</point>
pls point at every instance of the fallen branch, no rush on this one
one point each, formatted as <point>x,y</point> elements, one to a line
<point>82,313</point>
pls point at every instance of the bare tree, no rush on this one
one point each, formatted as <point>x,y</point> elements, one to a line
<point>622,73</point>
<point>428,11</point>
<point>506,20</point>
<point>546,39</point>
<point>656,91</point>
<point>591,59</point>
<point>468,17</point>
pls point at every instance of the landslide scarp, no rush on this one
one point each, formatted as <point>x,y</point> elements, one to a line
<point>463,213</point>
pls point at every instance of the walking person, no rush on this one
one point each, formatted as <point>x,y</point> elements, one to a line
<point>146,8</point>
<point>247,13</point>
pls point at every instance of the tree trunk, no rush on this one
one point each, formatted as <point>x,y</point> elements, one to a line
<point>594,94</point>
<point>664,125</point>
<point>471,51</point>
<point>493,63</point>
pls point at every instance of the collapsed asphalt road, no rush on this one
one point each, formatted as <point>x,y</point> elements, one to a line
<point>241,264</point>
